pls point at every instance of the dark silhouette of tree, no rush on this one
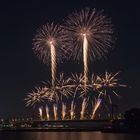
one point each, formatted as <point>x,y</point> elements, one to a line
<point>132,118</point>
<point>132,114</point>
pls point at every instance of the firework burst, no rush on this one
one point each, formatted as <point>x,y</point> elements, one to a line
<point>91,32</point>
<point>79,85</point>
<point>49,44</point>
<point>109,82</point>
<point>38,96</point>
<point>91,28</point>
<point>95,82</point>
<point>64,86</point>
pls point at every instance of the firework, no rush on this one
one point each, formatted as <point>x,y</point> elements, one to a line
<point>53,63</point>
<point>63,111</point>
<point>47,113</point>
<point>84,104</point>
<point>72,110</point>
<point>86,35</point>
<point>78,84</point>
<point>55,112</point>
<point>48,44</point>
<point>101,86</point>
<point>85,56</point>
<point>95,82</point>
<point>91,30</point>
<point>40,113</point>
<point>109,82</point>
<point>38,96</point>
<point>64,86</point>
<point>97,104</point>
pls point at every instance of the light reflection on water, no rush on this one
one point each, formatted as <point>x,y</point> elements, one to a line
<point>66,136</point>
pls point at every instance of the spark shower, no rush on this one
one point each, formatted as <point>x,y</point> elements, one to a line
<point>87,35</point>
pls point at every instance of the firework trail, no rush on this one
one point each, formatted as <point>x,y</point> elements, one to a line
<point>40,113</point>
<point>55,111</point>
<point>47,113</point>
<point>53,63</point>
<point>84,104</point>
<point>97,104</point>
<point>85,56</point>
<point>63,111</point>
<point>72,110</point>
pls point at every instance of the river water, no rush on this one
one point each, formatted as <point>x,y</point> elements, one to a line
<point>67,136</point>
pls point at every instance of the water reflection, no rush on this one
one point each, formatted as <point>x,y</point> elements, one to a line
<point>66,136</point>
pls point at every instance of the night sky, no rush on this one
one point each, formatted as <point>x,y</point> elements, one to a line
<point>21,70</point>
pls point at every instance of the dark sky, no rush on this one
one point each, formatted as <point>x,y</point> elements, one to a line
<point>21,70</point>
